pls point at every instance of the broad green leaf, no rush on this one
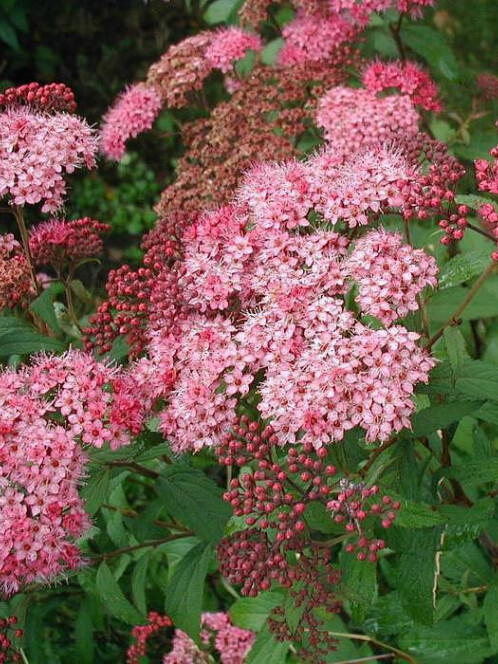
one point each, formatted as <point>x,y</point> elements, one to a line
<point>471,473</point>
<point>433,47</point>
<point>113,598</point>
<point>455,347</point>
<point>478,379</point>
<point>491,615</point>
<point>8,35</point>
<point>220,11</point>
<point>439,417</point>
<point>387,617</point>
<point>94,492</point>
<point>463,267</point>
<point>360,583</point>
<point>138,579</point>
<point>414,515</point>
<point>466,524</point>
<point>443,305</point>
<point>488,412</point>
<point>20,340</point>
<point>459,640</point>
<point>252,612</point>
<point>417,574</point>
<point>185,590</point>
<point>270,52</point>
<point>195,500</point>
<point>43,306</point>
<point>266,649</point>
<point>84,644</point>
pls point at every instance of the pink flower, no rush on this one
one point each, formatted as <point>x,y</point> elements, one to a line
<point>134,112</point>
<point>408,78</point>
<point>37,150</point>
<point>228,45</point>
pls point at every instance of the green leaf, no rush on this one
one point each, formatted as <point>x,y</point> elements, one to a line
<point>455,347</point>
<point>138,579</point>
<point>471,473</point>
<point>473,201</point>
<point>266,649</point>
<point>443,305</point>
<point>84,644</point>
<point>478,379</point>
<point>491,614</point>
<point>417,574</point>
<point>414,515</point>
<point>270,52</point>
<point>252,612</point>
<point>360,582</point>
<point>185,590</point>
<point>439,417</point>
<point>220,11</point>
<point>488,412</point>
<point>8,35</point>
<point>113,598</point>
<point>433,47</point>
<point>463,267</point>
<point>457,641</point>
<point>43,306</point>
<point>95,491</point>
<point>17,337</point>
<point>195,500</point>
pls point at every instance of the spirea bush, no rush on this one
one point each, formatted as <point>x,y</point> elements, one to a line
<point>275,439</point>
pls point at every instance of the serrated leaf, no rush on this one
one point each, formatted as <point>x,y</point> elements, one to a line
<point>138,579</point>
<point>439,417</point>
<point>360,583</point>
<point>471,473</point>
<point>488,412</point>
<point>455,347</point>
<point>94,492</point>
<point>414,515</point>
<point>266,649</point>
<point>252,612</point>
<point>195,500</point>
<point>463,267</point>
<point>417,574</point>
<point>43,306</point>
<point>433,47</point>
<point>113,598</point>
<point>185,590</point>
<point>459,640</point>
<point>443,305</point>
<point>473,201</point>
<point>19,339</point>
<point>478,379</point>
<point>491,615</point>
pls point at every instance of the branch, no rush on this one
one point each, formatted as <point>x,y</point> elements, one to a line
<point>362,637</point>
<point>395,29</point>
<point>132,465</point>
<point>376,455</point>
<point>454,319</point>
<point>135,547</point>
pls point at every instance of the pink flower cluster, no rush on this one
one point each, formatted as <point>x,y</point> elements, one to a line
<point>487,172</point>
<point>228,45</point>
<point>390,275</point>
<point>488,84</point>
<point>61,243</point>
<point>356,119</point>
<point>134,112</point>
<point>408,78</point>
<point>313,38</point>
<point>267,308</point>
<point>181,70</point>
<point>230,643</point>
<point>48,412</point>
<point>488,212</point>
<point>37,150</point>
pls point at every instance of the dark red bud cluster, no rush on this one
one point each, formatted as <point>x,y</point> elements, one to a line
<point>454,226</point>
<point>142,633</point>
<point>54,97</point>
<point>8,630</point>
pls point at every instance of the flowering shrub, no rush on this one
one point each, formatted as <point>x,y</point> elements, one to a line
<point>273,439</point>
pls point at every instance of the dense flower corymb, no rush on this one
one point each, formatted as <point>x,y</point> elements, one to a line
<point>133,113</point>
<point>37,150</point>
<point>228,45</point>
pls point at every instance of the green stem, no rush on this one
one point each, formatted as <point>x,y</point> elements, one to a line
<point>21,224</point>
<point>135,547</point>
<point>454,319</point>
